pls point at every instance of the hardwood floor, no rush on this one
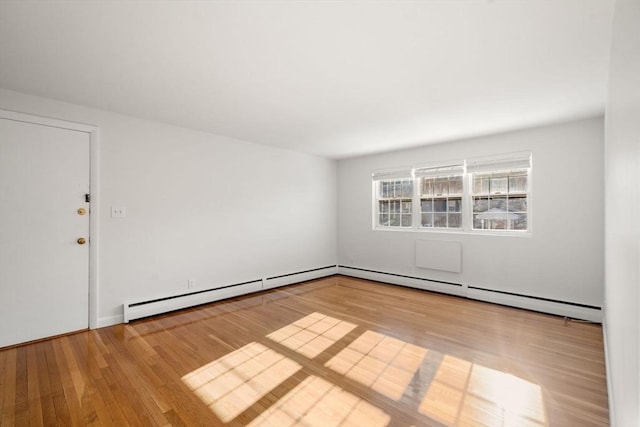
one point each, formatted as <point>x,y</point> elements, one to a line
<point>332,352</point>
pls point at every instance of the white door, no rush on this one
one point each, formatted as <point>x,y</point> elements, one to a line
<point>44,268</point>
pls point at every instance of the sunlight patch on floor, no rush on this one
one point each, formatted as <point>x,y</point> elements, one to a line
<point>384,363</point>
<point>235,382</point>
<point>464,393</point>
<point>312,334</point>
<point>318,403</point>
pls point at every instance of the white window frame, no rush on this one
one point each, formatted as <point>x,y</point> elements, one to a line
<point>468,169</point>
<point>440,172</point>
<point>404,174</point>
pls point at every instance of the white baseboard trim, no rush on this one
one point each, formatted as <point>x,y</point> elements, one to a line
<point>607,366</point>
<point>103,322</point>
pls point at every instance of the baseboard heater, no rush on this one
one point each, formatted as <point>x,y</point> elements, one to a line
<point>151,307</point>
<point>424,279</point>
<point>568,309</point>
<point>299,276</point>
<point>140,309</point>
<point>574,304</point>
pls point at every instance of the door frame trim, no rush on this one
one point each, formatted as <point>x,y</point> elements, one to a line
<point>94,189</point>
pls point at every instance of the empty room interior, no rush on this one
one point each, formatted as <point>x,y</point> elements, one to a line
<point>320,213</point>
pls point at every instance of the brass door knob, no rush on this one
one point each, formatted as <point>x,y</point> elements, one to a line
<point>81,241</point>
<point>81,211</point>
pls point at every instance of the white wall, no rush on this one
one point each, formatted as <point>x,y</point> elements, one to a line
<point>622,323</point>
<point>562,260</point>
<point>199,206</point>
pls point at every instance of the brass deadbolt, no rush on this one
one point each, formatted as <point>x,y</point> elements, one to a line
<point>82,211</point>
<point>81,241</point>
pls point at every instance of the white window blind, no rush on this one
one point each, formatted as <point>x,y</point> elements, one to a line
<point>392,174</point>
<point>515,161</point>
<point>439,171</point>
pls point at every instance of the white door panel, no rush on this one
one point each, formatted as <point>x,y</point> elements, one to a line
<point>44,272</point>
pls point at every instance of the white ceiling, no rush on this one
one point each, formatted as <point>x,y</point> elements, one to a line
<point>332,78</point>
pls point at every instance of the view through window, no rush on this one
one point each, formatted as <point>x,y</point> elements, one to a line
<point>489,194</point>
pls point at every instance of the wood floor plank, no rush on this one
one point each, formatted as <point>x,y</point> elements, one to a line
<point>3,380</point>
<point>33,388</point>
<point>21,408</point>
<point>9,386</point>
<point>410,358</point>
<point>67,375</point>
<point>58,373</point>
<point>44,378</point>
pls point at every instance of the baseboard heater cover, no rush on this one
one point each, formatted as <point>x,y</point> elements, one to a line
<point>528,302</point>
<point>571,310</point>
<point>575,304</point>
<point>400,275</point>
<point>140,309</point>
<point>150,307</point>
<point>301,272</point>
<point>299,276</point>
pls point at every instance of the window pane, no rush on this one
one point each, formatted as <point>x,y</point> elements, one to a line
<point>455,185</point>
<point>441,186</point>
<point>440,220</point>
<point>394,220</point>
<point>490,220</point>
<point>518,204</point>
<point>396,187</point>
<point>384,220</point>
<point>406,207</point>
<point>454,205</point>
<point>480,204</point>
<point>407,188</point>
<point>498,203</point>
<point>406,220</point>
<point>518,183</point>
<point>440,205</point>
<point>383,207</point>
<point>454,220</point>
<point>426,205</point>
<point>427,186</point>
<point>498,224</point>
<point>499,185</point>
<point>427,220</point>
<point>481,184</point>
<point>384,189</point>
<point>520,223</point>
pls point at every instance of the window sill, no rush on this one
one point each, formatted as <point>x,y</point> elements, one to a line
<point>493,233</point>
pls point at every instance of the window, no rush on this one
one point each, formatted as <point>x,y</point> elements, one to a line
<point>394,198</point>
<point>500,193</point>
<point>441,192</point>
<point>479,195</point>
<point>395,203</point>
